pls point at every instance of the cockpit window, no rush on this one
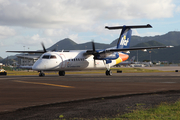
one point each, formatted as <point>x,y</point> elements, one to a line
<point>52,57</point>
<point>45,57</point>
<point>49,57</point>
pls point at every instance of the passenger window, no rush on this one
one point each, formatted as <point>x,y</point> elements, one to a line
<point>53,57</point>
<point>45,57</point>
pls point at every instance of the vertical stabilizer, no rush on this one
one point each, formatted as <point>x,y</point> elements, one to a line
<point>125,36</point>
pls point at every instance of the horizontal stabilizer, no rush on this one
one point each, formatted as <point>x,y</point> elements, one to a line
<point>136,26</point>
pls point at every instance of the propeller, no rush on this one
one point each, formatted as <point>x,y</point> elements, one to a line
<point>94,53</point>
<point>44,49</point>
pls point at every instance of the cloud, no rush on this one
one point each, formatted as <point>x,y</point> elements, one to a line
<point>79,13</point>
<point>30,22</point>
<point>6,32</point>
<point>34,40</point>
<point>1,44</point>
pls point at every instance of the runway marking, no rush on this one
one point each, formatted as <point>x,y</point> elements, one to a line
<point>44,84</point>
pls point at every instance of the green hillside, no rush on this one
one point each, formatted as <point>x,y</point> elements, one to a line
<point>170,38</point>
<point>168,54</point>
<point>65,44</point>
<point>68,44</point>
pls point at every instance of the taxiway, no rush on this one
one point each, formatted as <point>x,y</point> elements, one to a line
<point>26,91</point>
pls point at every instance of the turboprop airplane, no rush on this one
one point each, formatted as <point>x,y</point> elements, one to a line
<point>88,59</point>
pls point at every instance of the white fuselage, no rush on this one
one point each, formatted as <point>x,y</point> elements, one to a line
<point>72,60</point>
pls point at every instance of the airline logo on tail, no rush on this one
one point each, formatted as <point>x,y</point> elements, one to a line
<point>124,41</point>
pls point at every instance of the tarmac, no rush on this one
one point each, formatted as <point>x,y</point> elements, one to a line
<point>18,92</point>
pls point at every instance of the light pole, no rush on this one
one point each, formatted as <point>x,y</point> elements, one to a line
<point>28,58</point>
<point>24,56</point>
<point>150,55</point>
<point>137,56</point>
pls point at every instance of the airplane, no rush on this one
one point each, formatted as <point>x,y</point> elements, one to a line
<point>88,59</point>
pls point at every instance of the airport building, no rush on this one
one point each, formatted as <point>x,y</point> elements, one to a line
<point>24,60</point>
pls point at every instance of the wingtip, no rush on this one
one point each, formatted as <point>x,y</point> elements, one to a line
<point>170,46</point>
<point>106,27</point>
<point>148,25</point>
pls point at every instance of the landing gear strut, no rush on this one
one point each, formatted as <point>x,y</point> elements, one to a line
<point>108,72</point>
<point>61,73</point>
<point>41,74</point>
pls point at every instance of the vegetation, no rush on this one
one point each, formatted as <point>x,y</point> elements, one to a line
<point>14,72</point>
<point>162,112</point>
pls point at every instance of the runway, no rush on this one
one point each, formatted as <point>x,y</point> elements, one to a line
<point>24,91</point>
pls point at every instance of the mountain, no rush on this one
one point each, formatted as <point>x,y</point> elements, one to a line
<point>170,38</point>
<point>68,44</point>
<point>149,43</point>
<point>65,44</point>
<point>167,54</point>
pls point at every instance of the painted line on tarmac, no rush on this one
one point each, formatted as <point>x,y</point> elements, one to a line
<point>44,84</point>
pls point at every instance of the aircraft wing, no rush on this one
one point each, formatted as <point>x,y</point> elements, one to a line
<point>27,51</point>
<point>38,51</point>
<point>126,49</point>
<point>137,48</point>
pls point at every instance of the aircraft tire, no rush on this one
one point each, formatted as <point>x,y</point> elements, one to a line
<point>61,73</point>
<point>108,72</point>
<point>41,74</point>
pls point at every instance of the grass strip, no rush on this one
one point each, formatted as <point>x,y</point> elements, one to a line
<point>114,70</point>
<point>164,111</point>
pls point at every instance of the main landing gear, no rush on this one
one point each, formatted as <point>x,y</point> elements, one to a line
<point>61,73</point>
<point>108,72</point>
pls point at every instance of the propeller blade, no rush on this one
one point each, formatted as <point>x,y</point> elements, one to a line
<point>94,63</point>
<point>93,46</point>
<point>43,47</point>
<point>94,52</point>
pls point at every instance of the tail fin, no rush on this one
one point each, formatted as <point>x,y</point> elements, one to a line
<point>132,59</point>
<point>125,36</point>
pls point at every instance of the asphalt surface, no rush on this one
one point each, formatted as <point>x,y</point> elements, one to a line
<point>23,93</point>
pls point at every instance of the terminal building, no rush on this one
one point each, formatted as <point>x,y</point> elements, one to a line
<point>26,60</point>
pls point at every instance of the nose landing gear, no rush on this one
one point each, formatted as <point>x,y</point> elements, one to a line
<point>41,74</point>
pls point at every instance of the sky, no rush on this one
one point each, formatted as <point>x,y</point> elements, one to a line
<point>24,24</point>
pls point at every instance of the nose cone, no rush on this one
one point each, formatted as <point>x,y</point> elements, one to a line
<point>45,65</point>
<point>38,65</point>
